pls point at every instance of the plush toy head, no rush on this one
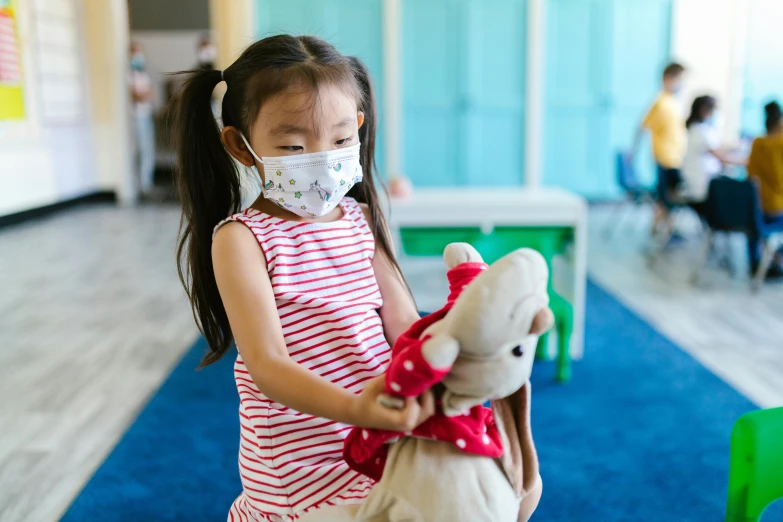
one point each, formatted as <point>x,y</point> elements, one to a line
<point>492,330</point>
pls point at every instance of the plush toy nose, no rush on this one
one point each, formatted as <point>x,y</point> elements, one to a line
<point>542,322</point>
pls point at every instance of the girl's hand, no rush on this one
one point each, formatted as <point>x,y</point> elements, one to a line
<point>368,411</point>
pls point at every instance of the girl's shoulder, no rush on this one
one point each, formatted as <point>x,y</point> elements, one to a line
<point>245,217</point>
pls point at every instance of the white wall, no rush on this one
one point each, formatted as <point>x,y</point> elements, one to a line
<point>708,37</point>
<point>81,145</point>
<point>44,159</point>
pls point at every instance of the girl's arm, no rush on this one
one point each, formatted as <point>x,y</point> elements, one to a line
<point>398,312</point>
<point>727,158</point>
<point>246,291</point>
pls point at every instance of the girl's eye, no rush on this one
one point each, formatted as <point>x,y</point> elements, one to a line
<point>343,141</point>
<point>292,148</point>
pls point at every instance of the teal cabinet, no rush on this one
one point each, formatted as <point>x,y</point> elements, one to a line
<point>353,26</point>
<point>603,68</point>
<point>463,91</point>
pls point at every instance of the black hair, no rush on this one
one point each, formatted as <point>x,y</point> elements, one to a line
<point>699,108</point>
<point>673,69</point>
<point>773,116</point>
<point>208,178</point>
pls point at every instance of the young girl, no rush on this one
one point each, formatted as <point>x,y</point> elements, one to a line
<point>703,159</point>
<point>304,280</point>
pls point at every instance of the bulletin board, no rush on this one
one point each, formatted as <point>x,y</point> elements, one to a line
<point>11,89</point>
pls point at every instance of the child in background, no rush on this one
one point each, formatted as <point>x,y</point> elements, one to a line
<point>142,94</point>
<point>667,129</point>
<point>703,160</point>
<point>305,280</point>
<point>765,165</point>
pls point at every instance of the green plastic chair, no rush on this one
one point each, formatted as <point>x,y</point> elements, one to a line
<point>549,241</point>
<point>756,465</point>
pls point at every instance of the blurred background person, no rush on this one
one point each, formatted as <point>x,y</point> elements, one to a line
<point>765,165</point>
<point>665,124</point>
<point>703,159</point>
<point>206,53</point>
<point>142,92</point>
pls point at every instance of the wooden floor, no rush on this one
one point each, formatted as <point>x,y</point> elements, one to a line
<point>734,333</point>
<point>92,318</point>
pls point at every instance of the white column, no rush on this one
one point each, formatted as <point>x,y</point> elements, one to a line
<point>127,188</point>
<point>392,87</point>
<point>233,28</point>
<point>534,103</point>
<point>107,37</point>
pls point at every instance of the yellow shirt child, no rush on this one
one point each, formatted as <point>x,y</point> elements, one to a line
<point>667,129</point>
<point>765,164</point>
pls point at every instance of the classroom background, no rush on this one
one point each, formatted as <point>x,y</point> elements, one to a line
<point>503,123</point>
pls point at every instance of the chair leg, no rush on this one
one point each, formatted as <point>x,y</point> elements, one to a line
<point>564,353</point>
<point>766,261</point>
<point>613,223</point>
<point>708,240</point>
<point>659,244</point>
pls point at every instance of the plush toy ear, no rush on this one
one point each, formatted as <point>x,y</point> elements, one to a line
<point>454,404</point>
<point>458,253</point>
<point>440,351</point>
<point>519,460</point>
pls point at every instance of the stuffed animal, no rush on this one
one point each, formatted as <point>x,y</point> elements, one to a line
<point>467,463</point>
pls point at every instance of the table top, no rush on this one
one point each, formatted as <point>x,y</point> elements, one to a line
<point>455,206</point>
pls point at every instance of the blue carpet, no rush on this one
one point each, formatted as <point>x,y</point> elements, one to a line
<point>641,434</point>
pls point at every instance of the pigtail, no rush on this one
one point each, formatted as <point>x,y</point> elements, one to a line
<point>366,191</point>
<point>208,185</point>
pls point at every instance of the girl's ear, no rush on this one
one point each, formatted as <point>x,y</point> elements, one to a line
<point>232,141</point>
<point>360,119</point>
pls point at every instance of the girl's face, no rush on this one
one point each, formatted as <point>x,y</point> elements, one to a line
<point>299,122</point>
<point>707,114</point>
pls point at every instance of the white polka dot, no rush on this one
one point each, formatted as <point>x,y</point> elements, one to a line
<point>409,434</point>
<point>485,438</point>
<point>461,443</point>
<point>396,387</point>
<point>485,428</point>
<point>377,461</point>
<point>408,365</point>
<point>365,435</point>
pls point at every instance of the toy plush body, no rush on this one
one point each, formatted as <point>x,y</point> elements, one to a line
<point>468,462</point>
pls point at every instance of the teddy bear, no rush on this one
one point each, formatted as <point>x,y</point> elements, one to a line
<point>469,462</point>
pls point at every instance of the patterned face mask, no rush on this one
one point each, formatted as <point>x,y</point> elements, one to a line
<point>310,185</point>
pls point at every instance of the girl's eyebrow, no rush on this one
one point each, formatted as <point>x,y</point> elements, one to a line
<point>286,129</point>
<point>344,123</point>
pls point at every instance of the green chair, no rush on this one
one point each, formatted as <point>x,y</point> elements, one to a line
<point>549,241</point>
<point>564,325</point>
<point>756,465</point>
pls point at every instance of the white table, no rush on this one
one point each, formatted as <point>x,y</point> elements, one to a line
<point>504,206</point>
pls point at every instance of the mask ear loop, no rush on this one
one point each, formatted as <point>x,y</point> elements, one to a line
<point>251,150</point>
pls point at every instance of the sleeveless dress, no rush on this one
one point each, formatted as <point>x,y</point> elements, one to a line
<point>328,300</point>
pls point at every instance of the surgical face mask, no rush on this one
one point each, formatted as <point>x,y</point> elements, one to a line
<point>310,185</point>
<point>137,62</point>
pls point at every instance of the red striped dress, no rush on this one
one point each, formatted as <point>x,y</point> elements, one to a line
<point>328,300</point>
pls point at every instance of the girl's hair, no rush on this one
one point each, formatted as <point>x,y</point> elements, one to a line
<point>773,115</point>
<point>208,179</point>
<point>701,105</point>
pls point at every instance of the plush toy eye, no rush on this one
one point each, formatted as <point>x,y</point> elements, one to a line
<point>517,351</point>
